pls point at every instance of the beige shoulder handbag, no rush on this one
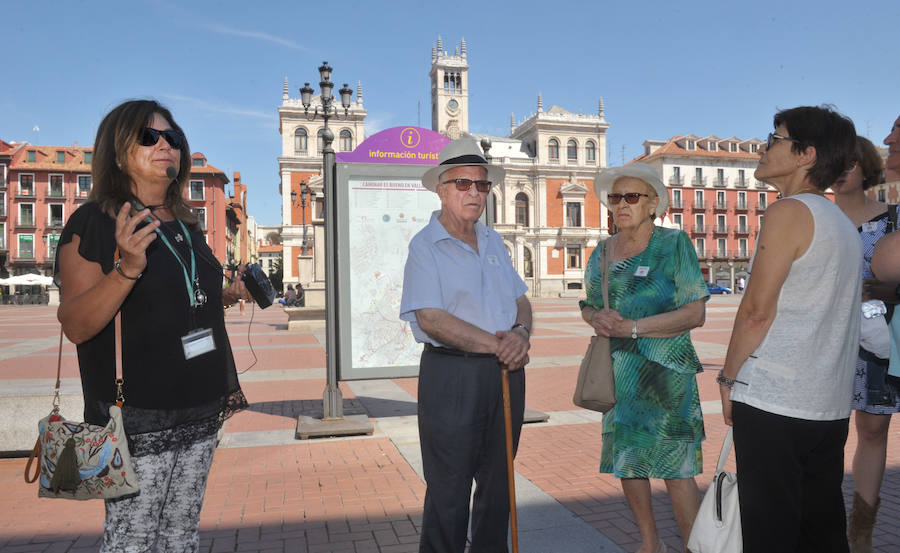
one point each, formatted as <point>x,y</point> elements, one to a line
<point>596,387</point>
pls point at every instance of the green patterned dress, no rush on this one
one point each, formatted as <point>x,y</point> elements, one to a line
<point>656,428</point>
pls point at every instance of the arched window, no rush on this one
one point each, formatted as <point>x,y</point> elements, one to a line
<point>522,209</point>
<point>320,140</point>
<point>346,141</point>
<point>572,150</point>
<point>529,264</point>
<point>553,148</point>
<point>590,151</point>
<point>300,141</point>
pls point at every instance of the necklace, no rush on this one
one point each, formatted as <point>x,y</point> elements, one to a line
<point>154,206</point>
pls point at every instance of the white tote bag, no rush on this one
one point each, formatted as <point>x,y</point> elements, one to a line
<point>717,528</point>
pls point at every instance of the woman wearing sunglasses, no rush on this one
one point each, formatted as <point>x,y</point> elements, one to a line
<point>787,380</point>
<point>657,295</point>
<point>135,247</point>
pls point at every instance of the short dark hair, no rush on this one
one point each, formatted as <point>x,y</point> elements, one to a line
<point>830,133</point>
<point>870,163</point>
<point>116,136</point>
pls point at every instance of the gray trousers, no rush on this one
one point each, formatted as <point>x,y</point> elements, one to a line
<point>462,439</point>
<point>165,516</point>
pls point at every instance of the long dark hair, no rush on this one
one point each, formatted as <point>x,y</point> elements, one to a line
<point>116,136</point>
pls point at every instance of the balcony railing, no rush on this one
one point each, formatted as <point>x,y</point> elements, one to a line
<point>741,205</point>
<point>54,222</point>
<point>676,181</point>
<point>24,256</point>
<point>698,181</point>
<point>2,210</point>
<point>761,184</point>
<point>2,244</point>
<point>2,182</point>
<point>55,192</point>
<point>676,203</point>
<point>761,206</point>
<point>743,229</point>
<point>741,254</point>
<point>26,192</point>
<point>699,229</point>
<point>720,205</point>
<point>720,229</point>
<point>702,254</point>
<point>722,254</point>
<point>720,182</point>
<point>25,222</point>
<point>741,183</point>
<point>699,204</point>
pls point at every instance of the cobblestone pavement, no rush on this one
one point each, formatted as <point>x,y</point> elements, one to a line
<point>271,493</point>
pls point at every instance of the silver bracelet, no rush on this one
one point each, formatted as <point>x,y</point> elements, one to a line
<point>118,266</point>
<point>634,333</point>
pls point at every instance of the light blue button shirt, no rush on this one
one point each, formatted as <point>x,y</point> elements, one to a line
<point>444,272</point>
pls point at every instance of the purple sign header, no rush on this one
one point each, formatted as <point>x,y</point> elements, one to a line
<point>398,145</point>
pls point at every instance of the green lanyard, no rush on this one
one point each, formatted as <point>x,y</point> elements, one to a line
<point>196,296</point>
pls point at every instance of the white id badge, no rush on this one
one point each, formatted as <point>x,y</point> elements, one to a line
<point>869,227</point>
<point>198,342</point>
<point>642,271</point>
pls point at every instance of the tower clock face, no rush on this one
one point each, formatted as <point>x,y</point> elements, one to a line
<point>453,105</point>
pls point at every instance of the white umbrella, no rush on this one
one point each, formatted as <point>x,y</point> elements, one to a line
<point>27,280</point>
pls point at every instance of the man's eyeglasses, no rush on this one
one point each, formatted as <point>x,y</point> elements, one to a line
<point>630,198</point>
<point>463,185</point>
<point>150,137</point>
<point>773,136</point>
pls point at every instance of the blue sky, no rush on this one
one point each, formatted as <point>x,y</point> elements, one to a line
<point>662,68</point>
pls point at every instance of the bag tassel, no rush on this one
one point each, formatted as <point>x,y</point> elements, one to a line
<point>66,476</point>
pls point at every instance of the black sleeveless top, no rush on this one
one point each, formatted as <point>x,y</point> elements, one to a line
<point>162,389</point>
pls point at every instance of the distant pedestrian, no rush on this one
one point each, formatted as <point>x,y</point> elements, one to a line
<point>290,297</point>
<point>740,285</point>
<point>656,295</point>
<point>788,374</point>
<point>467,304</point>
<point>114,258</point>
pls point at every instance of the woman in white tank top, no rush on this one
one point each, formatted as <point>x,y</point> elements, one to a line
<point>788,375</point>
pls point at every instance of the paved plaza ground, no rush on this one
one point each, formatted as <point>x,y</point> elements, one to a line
<point>269,492</point>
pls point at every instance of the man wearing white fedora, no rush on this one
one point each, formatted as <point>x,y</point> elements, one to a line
<point>467,304</point>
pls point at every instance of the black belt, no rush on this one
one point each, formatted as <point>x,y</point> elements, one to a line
<point>454,352</point>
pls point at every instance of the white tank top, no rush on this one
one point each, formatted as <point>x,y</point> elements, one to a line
<point>804,366</point>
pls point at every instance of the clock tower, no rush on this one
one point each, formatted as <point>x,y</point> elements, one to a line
<point>449,90</point>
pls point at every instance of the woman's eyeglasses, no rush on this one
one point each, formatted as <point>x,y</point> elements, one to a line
<point>464,185</point>
<point>630,198</point>
<point>773,136</point>
<point>150,137</point>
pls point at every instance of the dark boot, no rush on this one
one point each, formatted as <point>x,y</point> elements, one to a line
<point>861,523</point>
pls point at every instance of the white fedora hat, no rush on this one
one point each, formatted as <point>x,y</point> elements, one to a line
<point>604,180</point>
<point>461,152</point>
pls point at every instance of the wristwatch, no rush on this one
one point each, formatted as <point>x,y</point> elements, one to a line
<point>725,381</point>
<point>634,329</point>
<point>521,325</point>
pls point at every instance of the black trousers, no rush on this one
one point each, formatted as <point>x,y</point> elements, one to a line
<point>462,439</point>
<point>789,482</point>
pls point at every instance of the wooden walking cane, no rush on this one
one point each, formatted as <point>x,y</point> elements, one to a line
<point>510,471</point>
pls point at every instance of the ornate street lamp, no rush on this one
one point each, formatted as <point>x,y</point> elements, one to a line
<point>305,193</point>
<point>333,421</point>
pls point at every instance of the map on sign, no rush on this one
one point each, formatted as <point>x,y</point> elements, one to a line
<point>384,215</point>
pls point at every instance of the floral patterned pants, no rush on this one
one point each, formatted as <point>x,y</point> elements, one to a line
<point>166,514</point>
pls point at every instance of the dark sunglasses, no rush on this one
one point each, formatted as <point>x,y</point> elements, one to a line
<point>631,197</point>
<point>775,136</point>
<point>463,185</point>
<point>150,136</point>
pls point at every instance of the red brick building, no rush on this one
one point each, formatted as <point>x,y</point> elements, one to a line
<point>40,186</point>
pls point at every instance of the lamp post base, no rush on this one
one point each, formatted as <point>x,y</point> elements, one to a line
<point>350,425</point>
